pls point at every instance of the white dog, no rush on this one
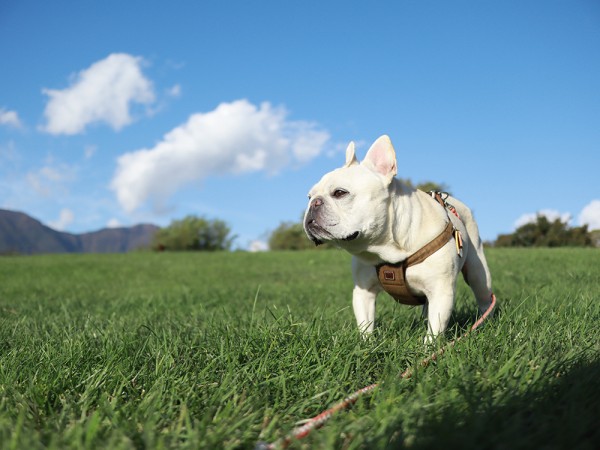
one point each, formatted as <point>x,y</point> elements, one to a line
<point>404,241</point>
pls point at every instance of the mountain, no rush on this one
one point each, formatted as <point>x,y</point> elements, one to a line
<point>118,240</point>
<point>22,234</point>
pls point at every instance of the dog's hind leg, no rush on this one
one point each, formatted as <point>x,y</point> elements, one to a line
<point>475,269</point>
<point>477,275</point>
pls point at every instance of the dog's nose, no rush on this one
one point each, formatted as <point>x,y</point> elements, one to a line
<point>317,202</point>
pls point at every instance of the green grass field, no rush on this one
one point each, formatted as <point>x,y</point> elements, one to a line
<point>221,350</point>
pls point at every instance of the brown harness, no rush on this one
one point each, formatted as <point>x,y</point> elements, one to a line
<point>393,276</point>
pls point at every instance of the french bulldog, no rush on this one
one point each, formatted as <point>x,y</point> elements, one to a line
<point>362,208</point>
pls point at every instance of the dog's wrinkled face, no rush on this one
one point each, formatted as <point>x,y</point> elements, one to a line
<point>349,206</point>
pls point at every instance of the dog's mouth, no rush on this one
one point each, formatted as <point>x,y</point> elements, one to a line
<point>317,233</point>
<point>351,237</point>
<point>313,229</point>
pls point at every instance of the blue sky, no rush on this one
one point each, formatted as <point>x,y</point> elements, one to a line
<point>115,113</point>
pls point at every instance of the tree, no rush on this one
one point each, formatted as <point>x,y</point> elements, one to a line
<point>289,236</point>
<point>544,233</point>
<point>595,237</point>
<point>194,233</point>
<point>426,186</point>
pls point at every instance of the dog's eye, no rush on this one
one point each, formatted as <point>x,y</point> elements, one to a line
<point>339,193</point>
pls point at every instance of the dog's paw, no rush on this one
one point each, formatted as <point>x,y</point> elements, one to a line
<point>429,340</point>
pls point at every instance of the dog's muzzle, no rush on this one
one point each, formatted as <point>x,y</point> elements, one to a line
<point>312,229</point>
<point>311,226</point>
<point>315,231</point>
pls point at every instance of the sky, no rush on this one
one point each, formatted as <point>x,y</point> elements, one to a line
<point>116,113</point>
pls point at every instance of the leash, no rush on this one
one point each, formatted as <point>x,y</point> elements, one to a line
<point>320,419</point>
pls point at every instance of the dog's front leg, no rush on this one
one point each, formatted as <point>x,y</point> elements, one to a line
<point>363,302</point>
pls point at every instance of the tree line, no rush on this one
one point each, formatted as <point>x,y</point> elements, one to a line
<point>194,233</point>
<point>546,233</point>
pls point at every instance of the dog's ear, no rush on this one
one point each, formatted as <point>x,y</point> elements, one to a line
<point>381,158</point>
<point>350,155</point>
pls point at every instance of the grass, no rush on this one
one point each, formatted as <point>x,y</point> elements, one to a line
<point>144,351</point>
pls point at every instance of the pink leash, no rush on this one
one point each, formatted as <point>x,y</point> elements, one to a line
<point>319,420</point>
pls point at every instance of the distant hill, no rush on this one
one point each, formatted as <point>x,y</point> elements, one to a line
<point>22,234</point>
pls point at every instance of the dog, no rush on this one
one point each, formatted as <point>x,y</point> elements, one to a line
<point>363,209</point>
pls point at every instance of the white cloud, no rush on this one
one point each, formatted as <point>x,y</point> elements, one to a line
<point>10,118</point>
<point>51,178</point>
<point>590,215</point>
<point>53,174</point>
<point>65,219</point>
<point>8,153</point>
<point>89,151</point>
<point>234,138</point>
<point>258,246</point>
<point>34,181</point>
<point>113,223</point>
<point>174,91</point>
<point>101,93</point>
<point>550,214</point>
